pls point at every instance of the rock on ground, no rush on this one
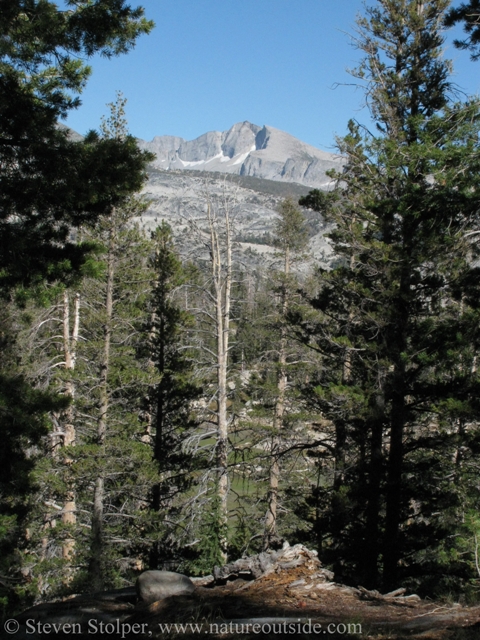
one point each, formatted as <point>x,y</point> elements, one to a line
<point>157,585</point>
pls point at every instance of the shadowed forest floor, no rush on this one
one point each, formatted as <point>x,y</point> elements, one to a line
<point>281,603</point>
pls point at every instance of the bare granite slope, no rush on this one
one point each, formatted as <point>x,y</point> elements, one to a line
<point>180,197</point>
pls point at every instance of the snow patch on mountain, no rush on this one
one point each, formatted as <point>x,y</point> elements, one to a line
<point>247,149</point>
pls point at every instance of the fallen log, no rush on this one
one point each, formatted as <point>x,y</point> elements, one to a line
<point>393,597</point>
<point>254,567</point>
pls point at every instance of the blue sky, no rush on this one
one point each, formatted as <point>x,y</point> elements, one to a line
<point>211,63</point>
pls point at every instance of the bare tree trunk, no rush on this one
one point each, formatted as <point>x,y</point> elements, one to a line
<point>70,350</point>
<point>222,283</point>
<point>270,531</point>
<point>96,559</point>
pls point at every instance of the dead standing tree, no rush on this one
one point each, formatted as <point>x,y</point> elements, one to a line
<point>70,340</point>
<point>221,263</point>
<point>51,343</point>
<point>213,232</point>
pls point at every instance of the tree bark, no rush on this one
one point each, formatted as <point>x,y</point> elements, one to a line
<point>70,351</point>
<point>270,532</point>
<point>372,549</point>
<point>222,283</point>
<point>96,567</point>
<point>398,420</point>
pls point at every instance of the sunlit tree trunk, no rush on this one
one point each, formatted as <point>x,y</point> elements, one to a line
<point>221,265</point>
<point>70,341</point>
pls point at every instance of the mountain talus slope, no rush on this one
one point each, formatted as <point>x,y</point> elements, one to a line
<point>247,150</point>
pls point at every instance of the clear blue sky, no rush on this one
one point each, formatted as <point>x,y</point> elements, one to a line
<point>211,63</point>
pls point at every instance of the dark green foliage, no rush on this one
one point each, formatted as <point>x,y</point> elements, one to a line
<point>254,315</point>
<point>123,459</point>
<point>399,385</point>
<point>315,200</point>
<point>49,184</point>
<point>67,474</point>
<point>290,231</point>
<point>467,13</point>
<point>53,189</point>
<point>172,360</point>
<point>169,403</point>
<point>23,423</point>
<point>211,531</point>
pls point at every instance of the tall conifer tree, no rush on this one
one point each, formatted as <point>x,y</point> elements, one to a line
<point>290,238</point>
<point>169,414</point>
<point>51,184</point>
<point>395,316</point>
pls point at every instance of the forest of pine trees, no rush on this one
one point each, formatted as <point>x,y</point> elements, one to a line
<point>160,410</point>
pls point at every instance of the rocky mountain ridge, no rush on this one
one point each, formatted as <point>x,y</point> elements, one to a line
<point>247,149</point>
<point>228,167</point>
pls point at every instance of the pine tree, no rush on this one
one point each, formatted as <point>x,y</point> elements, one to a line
<point>394,318</point>
<point>49,182</point>
<point>290,237</point>
<point>50,185</point>
<point>467,13</point>
<point>98,438</point>
<point>113,463</point>
<point>169,416</point>
<point>67,475</point>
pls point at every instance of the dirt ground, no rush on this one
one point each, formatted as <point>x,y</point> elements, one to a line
<point>284,598</point>
<point>294,596</point>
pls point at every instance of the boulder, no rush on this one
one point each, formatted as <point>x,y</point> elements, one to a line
<point>157,585</point>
